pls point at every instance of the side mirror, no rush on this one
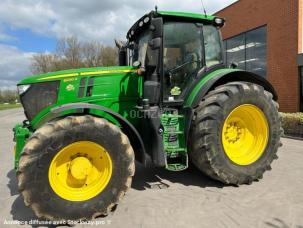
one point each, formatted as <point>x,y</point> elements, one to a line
<point>121,52</point>
<point>155,43</point>
<point>152,53</point>
<point>122,56</point>
<point>119,44</point>
<point>156,27</point>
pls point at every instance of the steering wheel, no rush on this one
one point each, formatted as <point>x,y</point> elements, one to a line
<point>175,69</point>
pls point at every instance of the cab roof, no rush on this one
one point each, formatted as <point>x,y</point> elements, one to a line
<point>172,15</point>
<point>187,15</point>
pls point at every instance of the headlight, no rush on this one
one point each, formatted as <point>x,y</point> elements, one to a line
<point>219,21</point>
<point>23,88</point>
<point>146,19</point>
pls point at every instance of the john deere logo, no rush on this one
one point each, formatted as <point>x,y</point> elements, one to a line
<point>70,87</point>
<point>176,91</point>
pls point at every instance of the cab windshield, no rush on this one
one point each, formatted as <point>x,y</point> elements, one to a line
<point>187,48</point>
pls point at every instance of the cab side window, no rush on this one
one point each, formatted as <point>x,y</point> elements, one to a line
<point>212,44</point>
<point>182,57</point>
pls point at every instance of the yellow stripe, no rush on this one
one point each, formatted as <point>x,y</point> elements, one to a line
<point>60,76</point>
<point>88,73</point>
<point>106,72</point>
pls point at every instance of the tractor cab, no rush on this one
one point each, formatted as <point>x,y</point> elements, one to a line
<point>172,50</point>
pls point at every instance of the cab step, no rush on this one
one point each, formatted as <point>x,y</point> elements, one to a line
<point>174,140</point>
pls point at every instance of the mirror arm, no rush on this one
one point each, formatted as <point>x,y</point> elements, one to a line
<point>141,70</point>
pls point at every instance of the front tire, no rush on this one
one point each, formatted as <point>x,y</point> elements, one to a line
<point>235,133</point>
<point>75,168</point>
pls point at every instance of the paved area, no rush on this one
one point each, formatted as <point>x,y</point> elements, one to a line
<point>159,198</point>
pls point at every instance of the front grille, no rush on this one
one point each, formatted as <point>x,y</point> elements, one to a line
<point>38,97</point>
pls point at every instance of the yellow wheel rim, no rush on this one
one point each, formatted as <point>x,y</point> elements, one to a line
<point>80,171</point>
<point>245,134</point>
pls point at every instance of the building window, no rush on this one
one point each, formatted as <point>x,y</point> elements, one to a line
<point>235,52</point>
<point>248,50</point>
<point>301,90</point>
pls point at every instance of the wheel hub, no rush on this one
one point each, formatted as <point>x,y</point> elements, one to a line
<point>80,168</point>
<point>76,176</point>
<point>233,132</point>
<point>245,134</point>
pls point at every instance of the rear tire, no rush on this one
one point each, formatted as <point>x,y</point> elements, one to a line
<point>206,149</point>
<point>40,151</point>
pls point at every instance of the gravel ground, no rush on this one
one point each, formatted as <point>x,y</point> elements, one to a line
<point>160,198</point>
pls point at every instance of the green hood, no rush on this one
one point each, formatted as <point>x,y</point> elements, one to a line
<point>58,75</point>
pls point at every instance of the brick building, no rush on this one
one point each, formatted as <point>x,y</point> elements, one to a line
<point>266,37</point>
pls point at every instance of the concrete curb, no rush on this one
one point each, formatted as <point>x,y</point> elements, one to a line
<point>292,137</point>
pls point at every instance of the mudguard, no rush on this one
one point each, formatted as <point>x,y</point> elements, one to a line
<point>223,76</point>
<point>84,108</point>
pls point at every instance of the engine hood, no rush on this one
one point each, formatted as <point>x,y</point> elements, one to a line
<point>65,74</point>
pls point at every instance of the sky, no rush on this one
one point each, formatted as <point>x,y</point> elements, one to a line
<point>29,27</point>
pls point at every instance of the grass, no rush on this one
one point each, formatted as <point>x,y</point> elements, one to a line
<point>9,106</point>
<point>292,124</point>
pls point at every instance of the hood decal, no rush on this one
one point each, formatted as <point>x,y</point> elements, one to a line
<point>88,73</point>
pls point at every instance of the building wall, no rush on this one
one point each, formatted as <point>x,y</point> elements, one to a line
<point>300,27</point>
<point>281,18</point>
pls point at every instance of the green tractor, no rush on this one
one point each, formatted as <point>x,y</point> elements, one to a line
<point>171,102</point>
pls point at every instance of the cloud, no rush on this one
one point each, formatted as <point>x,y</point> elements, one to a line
<point>100,20</point>
<point>14,65</point>
<point>4,36</point>
<point>32,14</point>
<point>91,19</point>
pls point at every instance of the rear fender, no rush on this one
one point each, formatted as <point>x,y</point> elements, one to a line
<point>231,76</point>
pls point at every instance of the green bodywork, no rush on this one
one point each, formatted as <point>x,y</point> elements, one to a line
<point>120,92</point>
<point>118,89</point>
<point>190,99</point>
<point>121,87</point>
<point>21,133</point>
<point>194,16</point>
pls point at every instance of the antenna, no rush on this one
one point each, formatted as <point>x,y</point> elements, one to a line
<point>203,8</point>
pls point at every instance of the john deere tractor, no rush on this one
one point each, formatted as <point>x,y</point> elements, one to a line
<point>171,102</point>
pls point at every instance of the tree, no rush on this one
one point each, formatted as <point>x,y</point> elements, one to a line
<point>109,56</point>
<point>69,49</point>
<point>8,96</point>
<point>71,53</point>
<point>42,63</point>
<point>92,54</point>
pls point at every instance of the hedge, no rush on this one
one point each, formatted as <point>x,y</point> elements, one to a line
<point>292,124</point>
